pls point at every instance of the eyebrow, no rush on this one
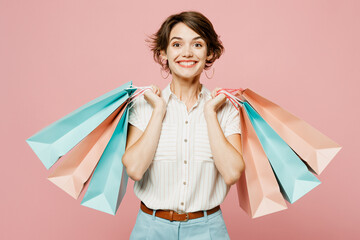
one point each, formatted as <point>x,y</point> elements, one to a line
<point>181,38</point>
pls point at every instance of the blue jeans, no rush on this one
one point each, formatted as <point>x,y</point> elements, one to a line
<point>155,228</point>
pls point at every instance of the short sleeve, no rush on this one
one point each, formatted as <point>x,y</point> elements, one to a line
<point>138,113</point>
<point>233,124</point>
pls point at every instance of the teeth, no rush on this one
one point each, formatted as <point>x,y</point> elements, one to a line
<point>187,63</point>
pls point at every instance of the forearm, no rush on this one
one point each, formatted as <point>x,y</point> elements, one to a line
<point>227,159</point>
<point>139,156</point>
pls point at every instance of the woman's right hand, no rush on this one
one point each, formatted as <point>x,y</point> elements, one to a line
<point>154,98</point>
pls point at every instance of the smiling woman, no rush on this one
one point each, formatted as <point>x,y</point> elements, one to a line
<point>206,37</point>
<point>184,148</point>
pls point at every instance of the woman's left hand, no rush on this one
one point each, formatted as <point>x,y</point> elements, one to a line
<point>212,105</point>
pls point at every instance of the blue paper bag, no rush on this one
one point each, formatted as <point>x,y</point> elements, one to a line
<point>57,139</point>
<point>108,184</point>
<point>295,180</point>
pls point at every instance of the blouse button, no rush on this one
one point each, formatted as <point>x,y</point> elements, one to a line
<point>185,161</point>
<point>185,140</point>
<point>186,122</point>
<point>184,183</point>
<point>182,203</point>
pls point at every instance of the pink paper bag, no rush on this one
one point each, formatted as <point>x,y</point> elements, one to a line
<point>316,149</point>
<point>79,163</point>
<point>258,190</point>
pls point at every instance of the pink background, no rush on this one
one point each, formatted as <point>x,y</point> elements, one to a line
<point>56,56</point>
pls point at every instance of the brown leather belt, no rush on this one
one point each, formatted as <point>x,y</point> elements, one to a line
<point>174,216</point>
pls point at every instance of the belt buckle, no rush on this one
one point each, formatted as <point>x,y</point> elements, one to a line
<point>187,215</point>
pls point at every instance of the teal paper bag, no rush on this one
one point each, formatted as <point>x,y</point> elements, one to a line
<point>295,180</point>
<point>57,139</point>
<point>108,184</point>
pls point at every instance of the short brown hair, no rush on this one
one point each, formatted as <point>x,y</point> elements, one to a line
<point>199,24</point>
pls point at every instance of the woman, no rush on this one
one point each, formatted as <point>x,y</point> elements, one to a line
<point>184,147</point>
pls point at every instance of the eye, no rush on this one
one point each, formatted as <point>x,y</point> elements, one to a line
<point>175,44</point>
<point>198,44</point>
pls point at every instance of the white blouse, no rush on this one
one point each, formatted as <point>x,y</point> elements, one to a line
<point>182,175</point>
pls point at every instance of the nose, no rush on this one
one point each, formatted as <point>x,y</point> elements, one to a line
<point>187,51</point>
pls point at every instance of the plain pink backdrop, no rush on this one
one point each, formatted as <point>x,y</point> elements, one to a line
<point>56,56</point>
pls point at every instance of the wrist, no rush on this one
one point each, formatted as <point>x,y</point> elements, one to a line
<point>209,114</point>
<point>159,110</point>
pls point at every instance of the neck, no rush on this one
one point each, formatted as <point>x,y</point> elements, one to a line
<point>187,90</point>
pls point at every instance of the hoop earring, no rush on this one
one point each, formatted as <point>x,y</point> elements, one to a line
<point>161,73</point>
<point>213,70</point>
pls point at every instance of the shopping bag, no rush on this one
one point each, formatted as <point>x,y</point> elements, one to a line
<point>275,147</point>
<point>108,184</point>
<point>258,191</point>
<point>78,164</point>
<point>61,136</point>
<point>316,149</point>
<point>293,176</point>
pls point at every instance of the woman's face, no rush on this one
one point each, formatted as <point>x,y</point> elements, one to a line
<point>186,52</point>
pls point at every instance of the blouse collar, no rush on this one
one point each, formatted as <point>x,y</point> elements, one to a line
<point>167,93</point>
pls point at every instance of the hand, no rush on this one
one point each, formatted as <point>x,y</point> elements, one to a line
<point>239,94</point>
<point>212,105</point>
<point>154,98</point>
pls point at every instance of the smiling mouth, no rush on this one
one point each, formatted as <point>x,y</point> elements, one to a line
<point>187,64</point>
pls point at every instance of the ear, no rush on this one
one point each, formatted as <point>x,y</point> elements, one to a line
<point>163,55</point>
<point>210,56</point>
